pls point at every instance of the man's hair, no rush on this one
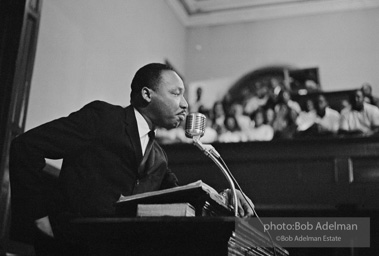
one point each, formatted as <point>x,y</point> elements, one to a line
<point>366,85</point>
<point>147,76</point>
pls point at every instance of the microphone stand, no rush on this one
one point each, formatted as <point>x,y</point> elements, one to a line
<point>212,154</point>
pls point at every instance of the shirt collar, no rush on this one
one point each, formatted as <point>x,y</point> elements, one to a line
<point>143,126</point>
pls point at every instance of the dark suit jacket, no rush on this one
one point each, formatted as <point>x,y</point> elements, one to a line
<point>101,152</point>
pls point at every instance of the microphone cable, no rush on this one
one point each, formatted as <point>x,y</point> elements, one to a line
<point>248,202</point>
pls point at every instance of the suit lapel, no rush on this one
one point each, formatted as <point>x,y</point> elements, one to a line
<point>132,131</point>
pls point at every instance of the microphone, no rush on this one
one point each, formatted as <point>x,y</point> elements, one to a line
<point>195,129</point>
<point>195,125</point>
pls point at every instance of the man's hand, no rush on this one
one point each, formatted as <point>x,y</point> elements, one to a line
<point>43,224</point>
<point>244,209</point>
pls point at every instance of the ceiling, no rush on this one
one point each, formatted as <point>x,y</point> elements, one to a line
<point>194,13</point>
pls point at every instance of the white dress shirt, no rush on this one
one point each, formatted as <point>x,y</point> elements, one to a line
<point>143,130</point>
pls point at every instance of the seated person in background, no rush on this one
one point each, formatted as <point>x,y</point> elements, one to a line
<point>232,131</point>
<point>261,131</point>
<point>327,119</point>
<point>244,122</point>
<point>346,106</point>
<point>284,124</point>
<point>310,106</point>
<point>307,117</point>
<point>285,98</point>
<point>210,134</point>
<point>218,117</point>
<point>367,94</point>
<point>363,118</point>
<point>255,101</point>
<point>269,116</point>
<point>272,97</point>
<point>286,112</point>
<point>195,106</point>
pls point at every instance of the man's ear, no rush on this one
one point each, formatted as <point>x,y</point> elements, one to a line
<point>146,94</point>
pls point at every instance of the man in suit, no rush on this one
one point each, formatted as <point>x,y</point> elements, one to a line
<point>103,149</point>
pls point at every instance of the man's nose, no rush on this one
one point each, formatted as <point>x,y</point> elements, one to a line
<point>183,103</point>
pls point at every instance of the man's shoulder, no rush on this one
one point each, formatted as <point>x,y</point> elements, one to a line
<point>102,109</point>
<point>370,108</point>
<point>99,105</point>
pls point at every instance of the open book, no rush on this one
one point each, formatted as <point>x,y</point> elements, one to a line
<point>197,193</point>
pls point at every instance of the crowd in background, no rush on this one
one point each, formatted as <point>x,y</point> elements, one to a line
<point>278,116</point>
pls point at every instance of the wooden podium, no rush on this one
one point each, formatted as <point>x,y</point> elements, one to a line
<point>212,231</point>
<point>157,235</point>
<point>168,236</point>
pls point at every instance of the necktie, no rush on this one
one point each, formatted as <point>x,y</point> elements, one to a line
<point>149,146</point>
<point>151,135</point>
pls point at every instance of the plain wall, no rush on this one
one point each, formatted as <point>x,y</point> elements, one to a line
<point>343,45</point>
<point>90,50</point>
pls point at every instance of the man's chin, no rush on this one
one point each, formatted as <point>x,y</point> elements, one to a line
<point>172,126</point>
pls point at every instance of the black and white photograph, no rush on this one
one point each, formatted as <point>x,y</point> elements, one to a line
<point>189,127</point>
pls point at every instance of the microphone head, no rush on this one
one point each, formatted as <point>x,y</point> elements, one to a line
<point>195,125</point>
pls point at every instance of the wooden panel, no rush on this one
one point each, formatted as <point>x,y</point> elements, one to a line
<point>365,170</point>
<point>324,172</point>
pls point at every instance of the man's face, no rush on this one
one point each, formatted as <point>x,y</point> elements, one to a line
<point>310,105</point>
<point>258,119</point>
<point>286,96</point>
<point>366,89</point>
<point>270,115</point>
<point>168,107</point>
<point>359,99</point>
<point>322,104</point>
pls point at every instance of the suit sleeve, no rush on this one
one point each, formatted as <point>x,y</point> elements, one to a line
<point>55,140</point>
<point>169,180</point>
